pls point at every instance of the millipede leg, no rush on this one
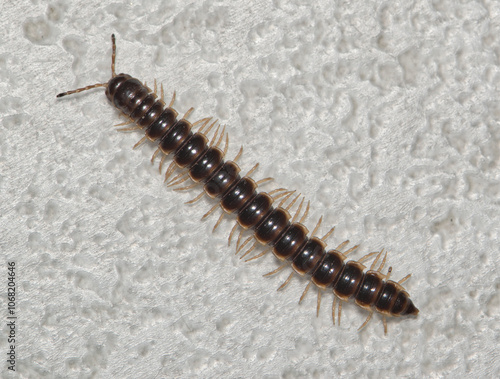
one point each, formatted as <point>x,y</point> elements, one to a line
<point>238,156</point>
<point>185,188</point>
<point>170,169</point>
<point>293,202</point>
<point>262,181</point>
<point>155,154</point>
<point>334,304</point>
<point>210,211</point>
<point>317,226</point>
<point>179,178</point>
<point>404,279</point>
<point>285,283</point>
<point>218,221</point>
<point>252,170</point>
<point>275,191</point>
<point>259,255</point>
<point>367,256</point>
<point>249,250</point>
<point>162,94</point>
<point>285,199</point>
<point>297,212</point>
<point>155,87</point>
<point>221,136</point>
<point>196,198</point>
<point>351,249</point>
<point>318,302</point>
<point>277,270</point>
<point>211,143</point>
<point>186,115</point>
<point>161,163</point>
<point>172,101</point>
<point>182,179</point>
<point>303,218</point>
<point>327,234</point>
<point>342,245</point>
<point>376,260</point>
<point>203,121</point>
<point>277,195</point>
<point>366,321</point>
<point>140,142</point>
<point>131,129</point>
<point>384,321</point>
<point>247,241</point>
<point>340,310</point>
<point>226,145</point>
<point>209,128</point>
<point>383,263</point>
<point>231,234</point>
<point>124,123</point>
<point>306,290</point>
<point>239,239</point>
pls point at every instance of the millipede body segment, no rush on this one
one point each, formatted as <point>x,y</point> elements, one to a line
<point>203,162</point>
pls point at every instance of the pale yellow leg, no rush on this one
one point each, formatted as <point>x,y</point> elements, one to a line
<point>318,303</point>
<point>186,115</point>
<point>140,142</point>
<point>196,198</point>
<point>366,321</point>
<point>218,221</point>
<point>328,234</point>
<point>305,213</point>
<point>210,211</point>
<point>259,255</point>
<point>404,279</point>
<point>231,234</point>
<point>317,226</point>
<point>285,283</point>
<point>249,250</point>
<point>277,270</point>
<point>306,290</point>
<point>238,156</point>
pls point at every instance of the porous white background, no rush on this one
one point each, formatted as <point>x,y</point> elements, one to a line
<point>384,114</point>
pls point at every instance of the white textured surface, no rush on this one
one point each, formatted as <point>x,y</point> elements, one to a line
<point>385,115</point>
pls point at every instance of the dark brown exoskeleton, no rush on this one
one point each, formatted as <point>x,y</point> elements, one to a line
<point>203,162</point>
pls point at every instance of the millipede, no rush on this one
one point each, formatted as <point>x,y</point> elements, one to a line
<point>201,160</point>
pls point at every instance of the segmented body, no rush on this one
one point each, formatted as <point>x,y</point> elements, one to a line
<point>271,225</point>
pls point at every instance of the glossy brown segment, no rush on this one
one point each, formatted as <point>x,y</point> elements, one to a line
<point>268,231</point>
<point>238,195</point>
<point>309,256</point>
<point>160,126</point>
<point>255,211</point>
<point>206,165</point>
<point>175,136</point>
<point>151,115</point>
<point>191,150</point>
<point>369,289</point>
<point>400,303</point>
<point>222,180</point>
<point>387,297</point>
<point>349,280</point>
<point>143,107</point>
<point>329,269</point>
<point>290,242</point>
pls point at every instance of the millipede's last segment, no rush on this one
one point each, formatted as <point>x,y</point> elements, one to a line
<point>203,162</point>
